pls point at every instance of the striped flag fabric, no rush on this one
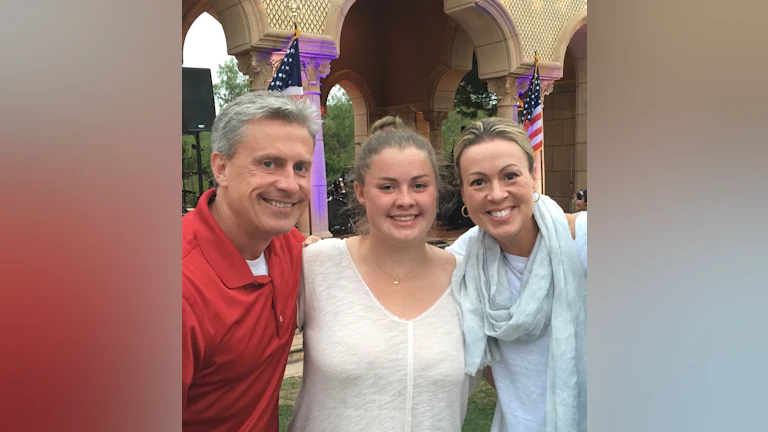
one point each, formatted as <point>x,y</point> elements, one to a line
<point>287,77</point>
<point>532,113</point>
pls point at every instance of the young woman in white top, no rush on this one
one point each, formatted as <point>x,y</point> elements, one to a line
<point>383,348</point>
<point>521,286</point>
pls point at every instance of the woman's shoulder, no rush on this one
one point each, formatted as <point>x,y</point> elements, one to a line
<point>445,259</point>
<point>459,245</point>
<point>323,248</point>
<point>577,222</point>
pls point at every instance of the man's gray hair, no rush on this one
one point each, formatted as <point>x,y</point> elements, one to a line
<point>229,126</point>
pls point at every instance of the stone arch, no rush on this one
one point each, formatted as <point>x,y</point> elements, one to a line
<point>244,21</point>
<point>360,95</point>
<point>565,116</point>
<point>566,34</point>
<point>455,60</point>
<point>334,21</point>
<point>487,22</point>
<point>498,45</point>
<point>190,15</point>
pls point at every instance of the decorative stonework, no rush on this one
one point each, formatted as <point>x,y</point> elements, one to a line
<point>508,88</point>
<point>539,23</point>
<point>546,88</point>
<point>312,14</point>
<point>313,70</point>
<point>259,68</point>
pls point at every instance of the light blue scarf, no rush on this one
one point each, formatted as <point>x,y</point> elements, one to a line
<point>552,292</point>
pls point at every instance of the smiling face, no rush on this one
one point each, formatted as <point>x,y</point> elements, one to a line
<point>399,194</point>
<point>497,188</point>
<point>265,185</point>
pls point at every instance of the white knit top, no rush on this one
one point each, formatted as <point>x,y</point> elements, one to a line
<point>367,370</point>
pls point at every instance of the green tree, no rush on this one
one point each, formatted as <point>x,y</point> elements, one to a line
<point>452,129</point>
<point>338,134</point>
<point>231,83</point>
<point>473,97</point>
<point>473,102</point>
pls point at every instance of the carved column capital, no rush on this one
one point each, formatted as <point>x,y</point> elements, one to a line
<point>547,87</point>
<point>258,66</point>
<point>313,69</point>
<point>508,88</point>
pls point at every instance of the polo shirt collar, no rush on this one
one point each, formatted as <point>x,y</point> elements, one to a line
<point>221,254</point>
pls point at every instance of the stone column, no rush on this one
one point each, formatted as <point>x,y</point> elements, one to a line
<point>313,69</point>
<point>436,119</point>
<point>507,89</point>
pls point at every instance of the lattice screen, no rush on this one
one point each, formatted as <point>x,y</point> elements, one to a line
<point>311,16</point>
<point>539,22</point>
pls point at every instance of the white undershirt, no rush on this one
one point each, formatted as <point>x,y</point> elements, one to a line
<point>259,266</point>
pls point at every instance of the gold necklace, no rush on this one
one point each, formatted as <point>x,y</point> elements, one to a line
<point>397,279</point>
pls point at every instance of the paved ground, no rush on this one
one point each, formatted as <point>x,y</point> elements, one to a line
<point>295,363</point>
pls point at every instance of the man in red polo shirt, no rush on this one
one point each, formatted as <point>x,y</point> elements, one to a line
<point>241,263</point>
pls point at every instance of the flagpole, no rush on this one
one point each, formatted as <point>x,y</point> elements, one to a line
<point>540,153</point>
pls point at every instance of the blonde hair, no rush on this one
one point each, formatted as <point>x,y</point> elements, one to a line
<point>488,129</point>
<point>393,122</point>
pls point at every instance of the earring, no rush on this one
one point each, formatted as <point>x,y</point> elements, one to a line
<point>464,211</point>
<point>537,197</point>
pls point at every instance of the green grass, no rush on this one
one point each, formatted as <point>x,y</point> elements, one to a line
<point>288,392</point>
<point>479,409</point>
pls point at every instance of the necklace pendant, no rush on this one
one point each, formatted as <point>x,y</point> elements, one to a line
<point>396,282</point>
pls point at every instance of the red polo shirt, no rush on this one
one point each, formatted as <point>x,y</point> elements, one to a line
<point>237,328</point>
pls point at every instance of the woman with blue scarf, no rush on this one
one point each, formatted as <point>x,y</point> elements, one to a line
<point>521,288</point>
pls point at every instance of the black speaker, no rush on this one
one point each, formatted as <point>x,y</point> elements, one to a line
<point>197,109</point>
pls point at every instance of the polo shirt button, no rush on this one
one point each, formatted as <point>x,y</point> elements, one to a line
<point>281,318</point>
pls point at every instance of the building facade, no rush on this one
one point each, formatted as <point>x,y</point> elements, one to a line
<point>407,57</point>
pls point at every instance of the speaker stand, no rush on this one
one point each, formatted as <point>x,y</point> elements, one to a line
<point>199,152</point>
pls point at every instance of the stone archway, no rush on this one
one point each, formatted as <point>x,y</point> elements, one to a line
<point>455,60</point>
<point>498,46</point>
<point>565,116</point>
<point>361,96</point>
<point>456,52</point>
<point>567,33</point>
<point>495,38</point>
<point>245,22</point>
<point>578,47</point>
<point>190,12</point>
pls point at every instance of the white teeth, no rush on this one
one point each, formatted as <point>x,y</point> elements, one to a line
<point>279,204</point>
<point>501,213</point>
<point>403,218</point>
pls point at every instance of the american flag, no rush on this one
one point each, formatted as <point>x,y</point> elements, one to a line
<point>287,78</point>
<point>532,113</point>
